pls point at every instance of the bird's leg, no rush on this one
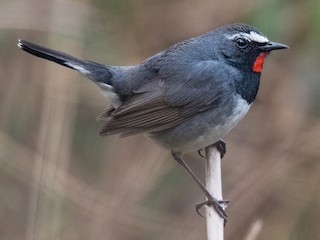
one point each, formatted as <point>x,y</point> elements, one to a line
<point>221,147</point>
<point>218,205</point>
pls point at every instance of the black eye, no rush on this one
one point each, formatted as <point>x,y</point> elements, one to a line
<point>241,43</point>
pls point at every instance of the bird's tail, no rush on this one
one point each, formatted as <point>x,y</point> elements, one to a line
<point>96,72</point>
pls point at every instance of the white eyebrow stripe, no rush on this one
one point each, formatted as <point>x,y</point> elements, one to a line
<point>252,37</point>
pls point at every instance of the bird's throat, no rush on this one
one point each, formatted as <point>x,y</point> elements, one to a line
<point>258,63</point>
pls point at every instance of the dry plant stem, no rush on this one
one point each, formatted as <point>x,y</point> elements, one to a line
<point>215,224</point>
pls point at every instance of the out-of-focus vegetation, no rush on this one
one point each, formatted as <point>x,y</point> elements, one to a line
<point>59,180</point>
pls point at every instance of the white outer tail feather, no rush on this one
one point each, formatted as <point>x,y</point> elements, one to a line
<point>108,91</point>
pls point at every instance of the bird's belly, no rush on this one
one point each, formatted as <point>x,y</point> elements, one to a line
<point>214,134</point>
<point>202,130</point>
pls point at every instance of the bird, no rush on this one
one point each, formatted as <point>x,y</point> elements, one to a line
<point>186,97</point>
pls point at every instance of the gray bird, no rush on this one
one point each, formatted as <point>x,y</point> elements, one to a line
<point>186,97</point>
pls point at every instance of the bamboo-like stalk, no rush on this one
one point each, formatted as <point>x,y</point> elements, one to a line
<point>215,224</point>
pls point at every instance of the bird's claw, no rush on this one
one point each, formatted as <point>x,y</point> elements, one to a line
<point>200,153</point>
<point>221,147</point>
<point>219,207</point>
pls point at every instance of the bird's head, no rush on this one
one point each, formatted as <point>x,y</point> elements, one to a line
<point>244,46</point>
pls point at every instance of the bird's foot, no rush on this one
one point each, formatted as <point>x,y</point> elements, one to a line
<point>218,205</point>
<point>220,145</point>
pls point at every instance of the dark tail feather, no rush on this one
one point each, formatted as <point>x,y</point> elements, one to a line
<point>94,71</point>
<point>49,54</point>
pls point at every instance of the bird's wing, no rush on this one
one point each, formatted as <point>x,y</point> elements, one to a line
<point>163,103</point>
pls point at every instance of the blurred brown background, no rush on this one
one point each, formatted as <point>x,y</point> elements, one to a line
<point>59,180</point>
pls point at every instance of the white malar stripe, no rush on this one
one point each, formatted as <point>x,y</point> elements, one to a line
<point>108,92</point>
<point>252,37</point>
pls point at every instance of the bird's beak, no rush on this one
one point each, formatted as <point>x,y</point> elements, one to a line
<point>273,46</point>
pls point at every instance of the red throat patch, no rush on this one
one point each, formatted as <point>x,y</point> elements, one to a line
<point>258,63</point>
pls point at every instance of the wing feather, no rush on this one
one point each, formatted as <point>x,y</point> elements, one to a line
<point>157,106</point>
